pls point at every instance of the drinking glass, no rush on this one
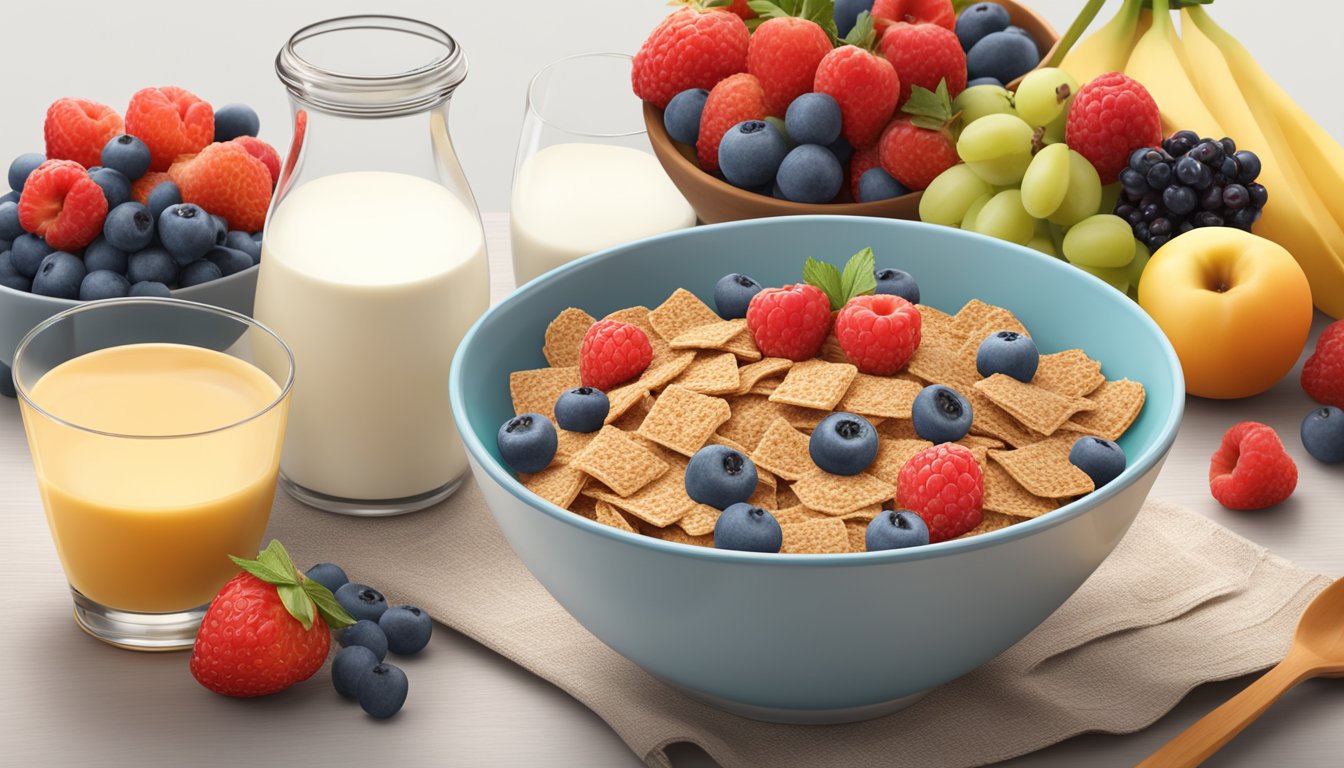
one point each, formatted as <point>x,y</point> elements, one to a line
<point>585,177</point>
<point>155,427</point>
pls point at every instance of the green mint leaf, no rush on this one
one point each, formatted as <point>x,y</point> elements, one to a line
<point>297,603</point>
<point>822,13</point>
<point>931,104</point>
<point>858,278</point>
<point>765,9</point>
<point>263,571</point>
<point>718,3</point>
<point>826,277</point>
<point>863,34</point>
<point>332,612</point>
<point>927,123</point>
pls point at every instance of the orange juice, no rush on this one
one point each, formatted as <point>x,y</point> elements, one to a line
<point>144,517</point>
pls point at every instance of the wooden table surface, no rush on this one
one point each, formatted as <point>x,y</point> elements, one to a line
<point>70,700</point>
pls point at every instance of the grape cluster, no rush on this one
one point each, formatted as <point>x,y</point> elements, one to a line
<point>1189,182</point>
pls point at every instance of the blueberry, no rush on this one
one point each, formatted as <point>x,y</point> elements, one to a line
<point>751,152</point>
<point>29,251</point>
<point>15,282</point>
<point>242,241</point>
<point>221,228</point>
<point>1249,164</point>
<point>22,166</point>
<point>129,227</point>
<point>1003,55</point>
<point>876,184</point>
<point>582,409</point>
<point>748,529</point>
<point>197,272</point>
<point>234,120</point>
<point>1323,434</point>
<point>733,294</point>
<point>361,600</point>
<point>843,151</point>
<point>10,197</point>
<point>349,666</point>
<point>1016,30</point>
<point>186,231</point>
<point>163,195</point>
<point>128,155</point>
<point>147,288</point>
<point>228,260</point>
<point>10,228</point>
<point>1010,353</point>
<point>59,276</point>
<point>813,118</point>
<point>527,442</point>
<point>896,529</point>
<point>367,633</point>
<point>407,628</point>
<point>7,265</point>
<point>103,284</point>
<point>1100,459</point>
<point>720,476</point>
<point>116,187</point>
<point>152,265</point>
<point>994,81</point>
<point>896,282</point>
<point>979,20</point>
<point>843,444</point>
<point>329,575</point>
<point>941,415</point>
<point>382,690</point>
<point>810,174</point>
<point>101,254</point>
<point>682,116</point>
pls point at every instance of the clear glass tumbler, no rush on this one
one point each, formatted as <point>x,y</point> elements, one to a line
<point>585,177</point>
<point>374,264</point>
<point>155,427</point>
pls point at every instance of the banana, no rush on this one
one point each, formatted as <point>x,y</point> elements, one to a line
<point>1107,49</point>
<point>1157,63</point>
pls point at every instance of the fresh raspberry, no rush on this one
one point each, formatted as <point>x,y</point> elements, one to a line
<point>62,204</point>
<point>78,130</point>
<point>943,485</point>
<point>864,160</point>
<point>924,55</point>
<point>691,48</point>
<point>1110,118</point>
<point>736,98</point>
<point>741,9</point>
<point>1250,469</point>
<point>142,186</point>
<point>784,54</point>
<point>791,322</point>
<point>263,152</point>
<point>612,353</point>
<point>226,180</point>
<point>878,333</point>
<point>915,156</point>
<point>172,122</point>
<point>939,12</point>
<point>1323,373</point>
<point>866,87</point>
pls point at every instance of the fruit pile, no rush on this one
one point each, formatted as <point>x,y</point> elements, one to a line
<point>172,196</point>
<point>792,98</point>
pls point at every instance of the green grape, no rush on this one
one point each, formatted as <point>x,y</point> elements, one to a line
<point>1042,244</point>
<point>997,148</point>
<point>978,101</point>
<point>1116,278</point>
<point>1084,196</point>
<point>1110,195</point>
<point>1101,241</point>
<point>1135,268</point>
<point>1005,218</point>
<point>1054,132</point>
<point>950,195</point>
<point>972,212</point>
<point>1044,94</point>
<point>1046,181</point>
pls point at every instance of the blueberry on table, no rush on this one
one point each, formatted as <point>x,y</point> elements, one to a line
<point>361,600</point>
<point>382,690</point>
<point>163,195</point>
<point>751,152</point>
<point>127,155</point>
<point>1004,56</point>
<point>186,231</point>
<point>103,284</point>
<point>1010,353</point>
<point>367,633</point>
<point>22,167</point>
<point>810,174</point>
<point>116,187</point>
<point>1323,434</point>
<point>101,254</point>
<point>129,227</point>
<point>582,409</point>
<point>28,252</point>
<point>897,282</point>
<point>407,628</point>
<point>152,265</point>
<point>940,414</point>
<point>197,272</point>
<point>876,184</point>
<point>843,444</point>
<point>149,288</point>
<point>1100,459</point>
<point>229,260</point>
<point>329,575</point>
<point>896,529</point>
<point>720,476</point>
<point>527,442</point>
<point>749,529</point>
<point>59,276</point>
<point>234,120</point>
<point>9,221</point>
<point>349,666</point>
<point>813,118</point>
<point>976,21</point>
<point>733,294</point>
<point>682,116</point>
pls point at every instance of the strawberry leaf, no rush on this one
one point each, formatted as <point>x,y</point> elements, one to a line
<point>825,276</point>
<point>863,34</point>
<point>303,598</point>
<point>930,109</point>
<point>332,612</point>
<point>297,603</point>
<point>858,278</point>
<point>765,9</point>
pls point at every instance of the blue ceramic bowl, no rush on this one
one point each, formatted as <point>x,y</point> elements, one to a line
<point>817,638</point>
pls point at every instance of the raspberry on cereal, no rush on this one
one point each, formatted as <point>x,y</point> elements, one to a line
<point>612,354</point>
<point>944,486</point>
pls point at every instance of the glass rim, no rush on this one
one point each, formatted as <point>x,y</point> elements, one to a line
<point>195,306</point>
<point>532,101</point>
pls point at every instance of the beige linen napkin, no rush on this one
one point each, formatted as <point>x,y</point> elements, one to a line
<point>1181,601</point>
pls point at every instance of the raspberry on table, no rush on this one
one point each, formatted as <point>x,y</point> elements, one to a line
<point>1323,373</point>
<point>62,204</point>
<point>171,121</point>
<point>78,129</point>
<point>1251,469</point>
<point>613,353</point>
<point>942,485</point>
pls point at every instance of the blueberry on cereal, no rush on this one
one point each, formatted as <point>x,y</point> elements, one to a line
<point>843,444</point>
<point>896,529</point>
<point>1010,353</point>
<point>748,529</point>
<point>582,409</point>
<point>940,414</point>
<point>1100,459</point>
<point>720,477</point>
<point>897,282</point>
<point>527,442</point>
<point>733,294</point>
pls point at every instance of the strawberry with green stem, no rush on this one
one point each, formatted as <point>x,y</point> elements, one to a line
<point>917,147</point>
<point>865,85</point>
<point>789,40</point>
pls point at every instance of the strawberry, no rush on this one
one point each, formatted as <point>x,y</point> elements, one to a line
<point>263,152</point>
<point>783,54</point>
<point>916,148</point>
<point>691,48</point>
<point>267,629</point>
<point>62,204</point>
<point>925,55</point>
<point>863,160</point>
<point>78,130</point>
<point>171,121</point>
<point>939,12</point>
<point>878,333</point>
<point>736,98</point>
<point>226,180</point>
<point>865,85</point>
<point>613,353</point>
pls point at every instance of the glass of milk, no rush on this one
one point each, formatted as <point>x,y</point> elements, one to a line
<point>585,177</point>
<point>374,265</point>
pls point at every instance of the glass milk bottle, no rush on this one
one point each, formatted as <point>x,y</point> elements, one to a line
<point>373,265</point>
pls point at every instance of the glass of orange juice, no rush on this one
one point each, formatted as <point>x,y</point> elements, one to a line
<point>155,427</point>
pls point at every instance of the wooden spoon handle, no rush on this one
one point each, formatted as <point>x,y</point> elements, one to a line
<point>1215,729</point>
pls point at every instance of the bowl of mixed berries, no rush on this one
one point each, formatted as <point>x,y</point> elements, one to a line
<point>809,106</point>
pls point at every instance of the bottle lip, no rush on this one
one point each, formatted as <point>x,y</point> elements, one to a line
<point>377,94</point>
